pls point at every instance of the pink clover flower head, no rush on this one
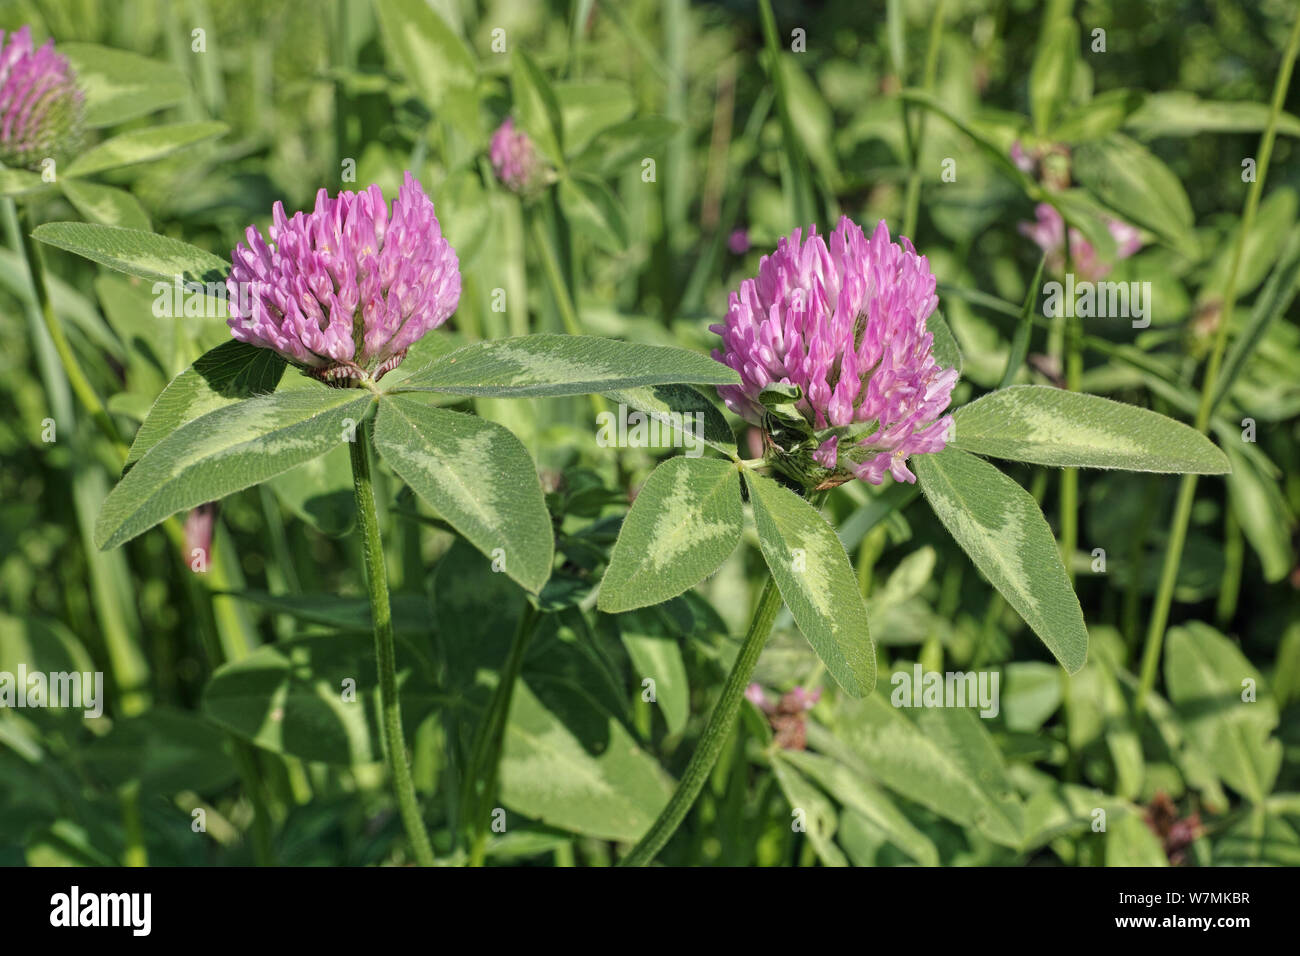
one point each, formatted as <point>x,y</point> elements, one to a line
<point>845,323</point>
<point>42,109</point>
<point>345,290</point>
<point>515,160</point>
<point>1048,232</point>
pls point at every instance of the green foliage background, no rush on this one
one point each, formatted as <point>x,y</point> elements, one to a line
<point>306,89</point>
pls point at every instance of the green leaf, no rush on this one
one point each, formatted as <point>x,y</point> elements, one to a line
<point>1176,113</point>
<point>1106,113</point>
<point>230,373</point>
<point>551,365</point>
<point>587,107</point>
<point>106,205</point>
<point>654,652</point>
<point>685,522</point>
<point>143,146</point>
<point>1130,842</point>
<point>1208,678</point>
<point>536,108</point>
<point>1131,180</point>
<point>135,252</point>
<point>1050,426</point>
<point>817,582</point>
<point>288,698</point>
<point>410,611</point>
<point>120,86</point>
<point>624,146</point>
<point>856,792</point>
<point>478,476</point>
<point>320,492</point>
<point>817,813</point>
<point>999,526</point>
<point>943,760</point>
<point>946,352</point>
<point>1275,298</point>
<point>436,61</point>
<point>575,766</point>
<point>20,182</point>
<point>226,451</point>
<point>594,211</point>
<point>678,407</point>
<point>1261,510</point>
<point>1052,75</point>
<point>47,647</point>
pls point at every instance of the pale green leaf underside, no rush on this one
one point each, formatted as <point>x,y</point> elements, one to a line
<point>548,364</point>
<point>686,520</point>
<point>1050,426</point>
<point>813,573</point>
<point>478,476</point>
<point>135,251</point>
<point>998,524</point>
<point>226,451</point>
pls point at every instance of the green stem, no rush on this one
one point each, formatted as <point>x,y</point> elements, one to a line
<point>71,367</point>
<point>135,852</point>
<point>1187,488</point>
<point>912,204</point>
<point>554,277</point>
<point>385,650</point>
<point>715,732</point>
<point>485,759</point>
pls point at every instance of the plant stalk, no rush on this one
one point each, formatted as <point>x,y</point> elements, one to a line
<point>715,732</point>
<point>385,649</point>
<point>486,755</point>
<point>1187,488</point>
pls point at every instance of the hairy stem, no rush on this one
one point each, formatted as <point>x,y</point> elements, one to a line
<point>385,650</point>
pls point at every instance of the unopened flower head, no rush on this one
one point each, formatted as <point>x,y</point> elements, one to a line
<point>345,290</point>
<point>1048,231</point>
<point>1047,162</point>
<point>835,360</point>
<point>41,105</point>
<point>515,160</point>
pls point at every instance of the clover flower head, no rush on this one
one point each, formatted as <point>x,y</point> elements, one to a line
<point>845,324</point>
<point>1048,232</point>
<point>345,290</point>
<point>41,106</point>
<point>515,160</point>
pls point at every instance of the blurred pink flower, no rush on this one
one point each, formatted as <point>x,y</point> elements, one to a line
<point>41,105</point>
<point>847,324</point>
<point>738,242</point>
<point>345,290</point>
<point>1048,231</point>
<point>786,717</point>
<point>515,160</point>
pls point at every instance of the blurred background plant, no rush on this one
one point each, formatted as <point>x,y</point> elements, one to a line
<point>679,142</point>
